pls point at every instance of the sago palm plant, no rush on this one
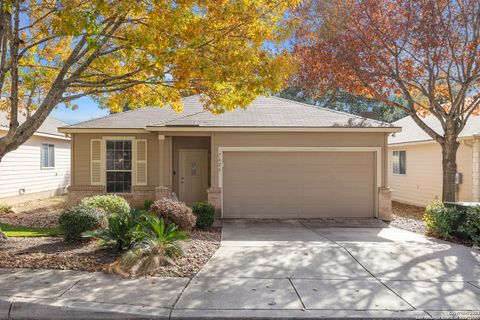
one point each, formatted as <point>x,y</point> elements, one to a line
<point>159,246</point>
<point>123,230</point>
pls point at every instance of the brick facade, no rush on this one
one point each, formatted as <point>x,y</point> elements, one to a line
<point>384,204</point>
<point>136,198</point>
<point>215,198</point>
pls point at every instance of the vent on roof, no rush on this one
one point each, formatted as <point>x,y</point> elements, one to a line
<point>369,114</point>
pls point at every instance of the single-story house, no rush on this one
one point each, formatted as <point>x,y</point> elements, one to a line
<point>415,162</point>
<point>274,159</point>
<point>39,168</point>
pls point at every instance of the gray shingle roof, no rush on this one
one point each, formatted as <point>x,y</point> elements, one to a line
<point>411,132</point>
<point>263,112</point>
<point>49,126</point>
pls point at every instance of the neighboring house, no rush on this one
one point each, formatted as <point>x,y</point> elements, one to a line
<point>275,159</point>
<point>37,169</point>
<point>415,162</point>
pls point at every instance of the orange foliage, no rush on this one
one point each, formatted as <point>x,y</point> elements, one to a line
<point>424,51</point>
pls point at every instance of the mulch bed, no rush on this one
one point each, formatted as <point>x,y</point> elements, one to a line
<point>42,213</point>
<point>55,253</point>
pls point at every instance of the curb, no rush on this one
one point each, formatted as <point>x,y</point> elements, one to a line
<point>192,314</point>
<point>34,308</point>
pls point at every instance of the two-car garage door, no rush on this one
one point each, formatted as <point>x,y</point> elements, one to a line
<point>298,184</point>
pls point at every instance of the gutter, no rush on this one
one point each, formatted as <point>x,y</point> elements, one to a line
<point>228,129</point>
<point>46,135</point>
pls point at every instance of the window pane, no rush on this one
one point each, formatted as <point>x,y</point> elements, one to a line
<point>119,182</point>
<point>395,162</point>
<point>51,156</point>
<point>118,145</point>
<point>399,162</point>
<point>118,160</point>
<point>402,162</point>
<point>47,155</point>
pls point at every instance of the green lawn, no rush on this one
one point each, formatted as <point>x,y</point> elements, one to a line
<point>17,231</point>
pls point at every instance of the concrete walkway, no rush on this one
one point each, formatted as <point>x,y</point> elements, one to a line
<point>271,270</point>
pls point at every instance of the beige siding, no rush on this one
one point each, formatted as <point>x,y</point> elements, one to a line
<point>81,156</point>
<point>291,139</point>
<point>21,169</point>
<point>422,182</point>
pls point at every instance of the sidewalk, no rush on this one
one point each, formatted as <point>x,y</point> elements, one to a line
<point>59,294</point>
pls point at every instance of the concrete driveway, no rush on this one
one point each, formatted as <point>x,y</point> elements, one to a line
<point>332,268</point>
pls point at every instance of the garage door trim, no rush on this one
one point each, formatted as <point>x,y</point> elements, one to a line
<point>376,150</point>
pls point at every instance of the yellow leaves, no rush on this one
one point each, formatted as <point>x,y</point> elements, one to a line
<point>221,49</point>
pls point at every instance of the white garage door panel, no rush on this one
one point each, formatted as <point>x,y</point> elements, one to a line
<point>298,184</point>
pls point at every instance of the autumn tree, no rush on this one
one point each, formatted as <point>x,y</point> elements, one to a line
<point>424,51</point>
<point>136,53</point>
<point>345,102</point>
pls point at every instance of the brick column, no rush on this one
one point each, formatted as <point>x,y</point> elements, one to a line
<point>476,170</point>
<point>215,198</point>
<point>384,204</point>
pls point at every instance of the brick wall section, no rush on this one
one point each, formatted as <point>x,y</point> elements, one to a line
<point>215,198</point>
<point>139,194</point>
<point>162,192</point>
<point>77,193</point>
<point>384,204</point>
<point>476,171</point>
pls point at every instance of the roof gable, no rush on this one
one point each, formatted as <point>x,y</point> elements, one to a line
<point>49,126</point>
<point>411,132</point>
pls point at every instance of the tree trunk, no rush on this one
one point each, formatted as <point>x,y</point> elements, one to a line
<point>2,235</point>
<point>449,166</point>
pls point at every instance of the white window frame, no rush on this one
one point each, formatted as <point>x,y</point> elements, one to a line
<point>47,154</point>
<point>398,152</point>
<point>134,160</point>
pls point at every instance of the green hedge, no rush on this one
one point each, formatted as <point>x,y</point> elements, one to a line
<point>472,224</point>
<point>205,213</point>
<point>453,221</point>
<point>111,204</point>
<point>76,220</point>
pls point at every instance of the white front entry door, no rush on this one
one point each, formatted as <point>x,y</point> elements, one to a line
<point>193,175</point>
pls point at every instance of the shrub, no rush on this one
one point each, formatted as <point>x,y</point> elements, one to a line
<point>112,204</point>
<point>472,224</point>
<point>205,213</point>
<point>76,220</point>
<point>5,208</point>
<point>441,221</point>
<point>159,245</point>
<point>122,232</point>
<point>173,211</point>
<point>147,204</point>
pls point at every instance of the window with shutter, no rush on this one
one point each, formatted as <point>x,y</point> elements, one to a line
<point>96,177</point>
<point>141,162</point>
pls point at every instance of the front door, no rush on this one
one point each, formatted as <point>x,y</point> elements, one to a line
<point>193,175</point>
